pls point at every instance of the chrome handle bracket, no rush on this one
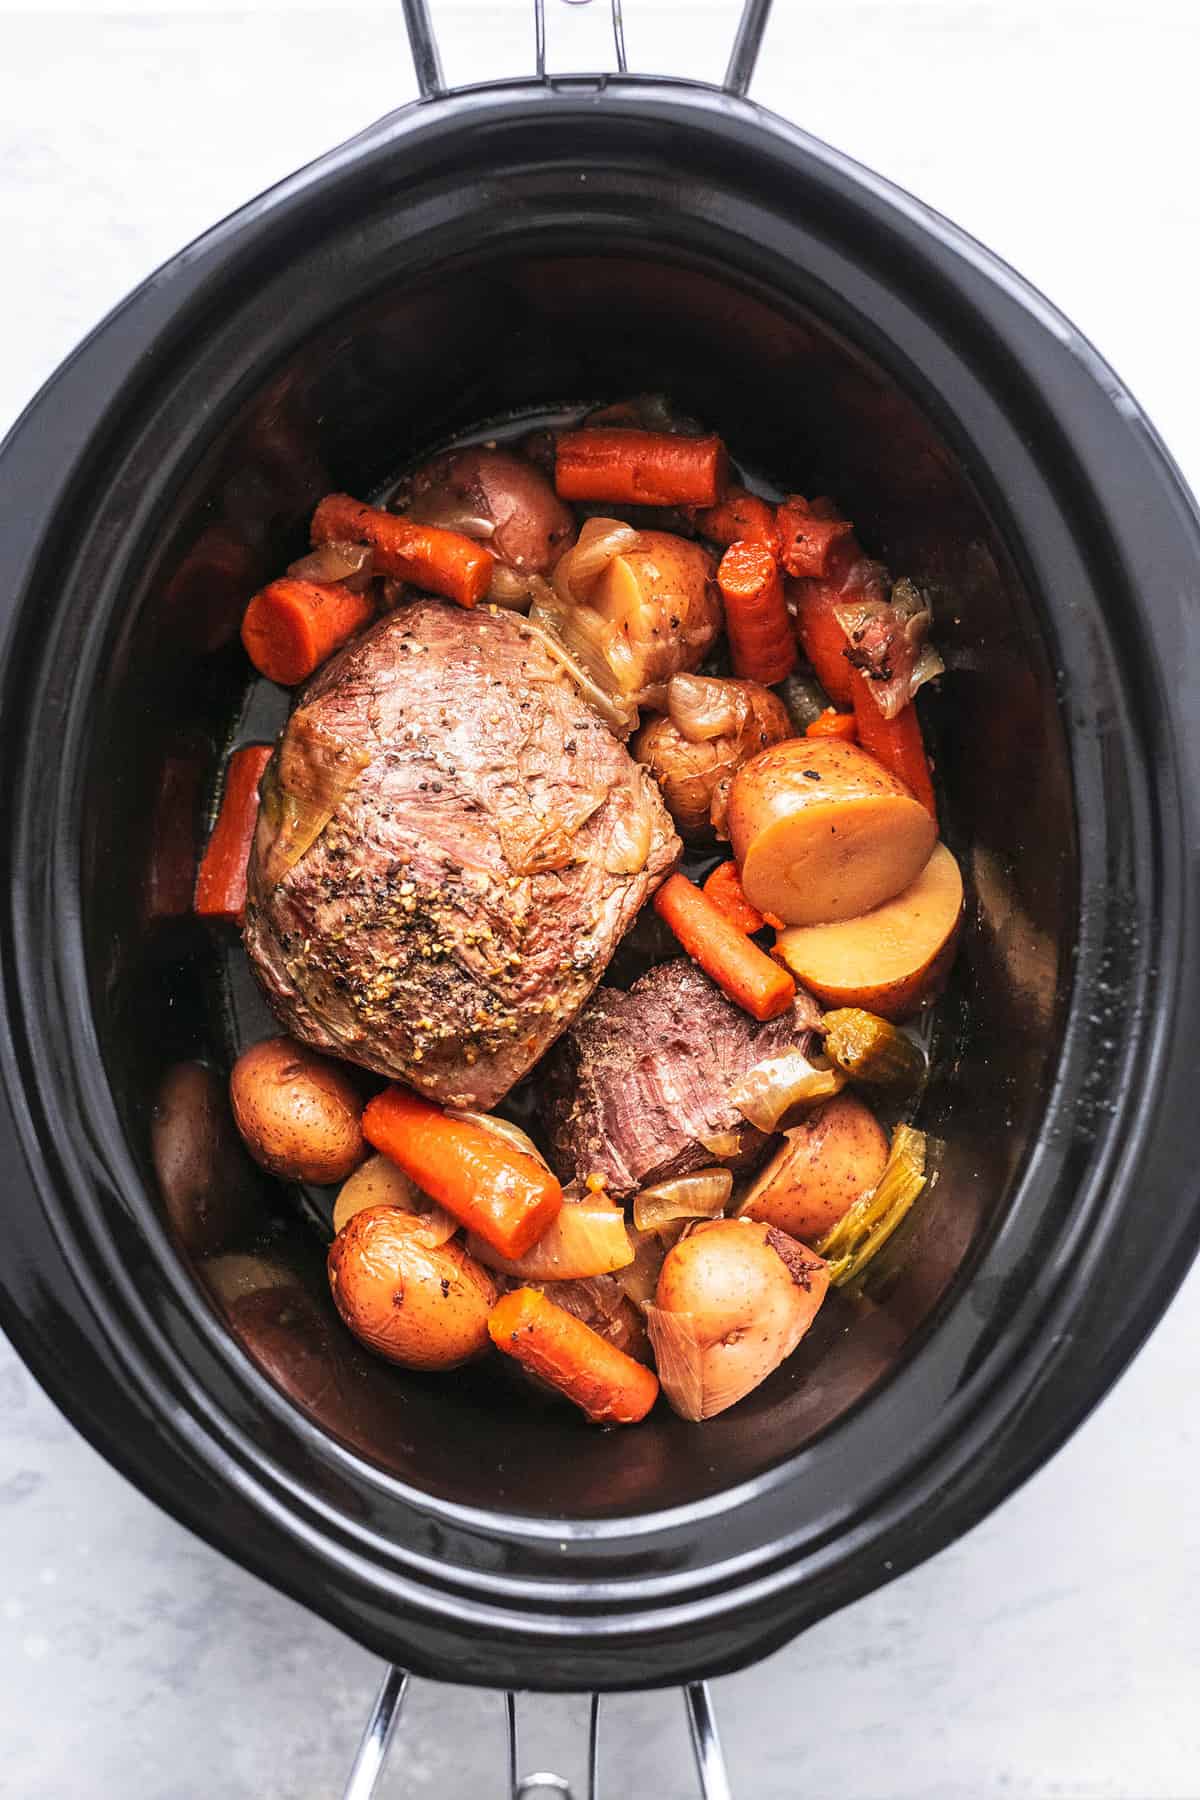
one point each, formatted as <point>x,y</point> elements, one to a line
<point>432,83</point>
<point>542,1785</point>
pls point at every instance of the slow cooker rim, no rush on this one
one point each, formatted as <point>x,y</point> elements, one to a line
<point>517,93</point>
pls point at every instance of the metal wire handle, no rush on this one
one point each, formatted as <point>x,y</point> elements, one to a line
<point>428,64</point>
<point>372,1751</point>
<point>385,1714</point>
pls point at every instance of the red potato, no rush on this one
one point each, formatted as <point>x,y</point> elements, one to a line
<point>821,831</point>
<point>505,502</point>
<point>422,1305</point>
<point>299,1114</point>
<point>733,1300</point>
<point>892,960</point>
<point>827,1163</point>
<point>208,1188</point>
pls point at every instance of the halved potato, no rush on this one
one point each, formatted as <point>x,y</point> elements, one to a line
<point>381,1182</point>
<point>823,1167</point>
<point>822,832</point>
<point>734,1298</point>
<point>892,960</point>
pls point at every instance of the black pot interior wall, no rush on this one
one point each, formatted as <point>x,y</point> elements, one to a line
<point>372,389</point>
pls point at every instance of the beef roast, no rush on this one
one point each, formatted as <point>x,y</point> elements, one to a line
<point>460,846</point>
<point>638,1089</point>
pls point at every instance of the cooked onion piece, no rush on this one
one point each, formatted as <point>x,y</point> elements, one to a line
<point>588,1237</point>
<point>350,564</point>
<point>700,1196</point>
<point>779,1086</point>
<point>379,1182</point>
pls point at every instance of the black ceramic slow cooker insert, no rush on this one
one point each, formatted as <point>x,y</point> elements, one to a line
<point>471,258</point>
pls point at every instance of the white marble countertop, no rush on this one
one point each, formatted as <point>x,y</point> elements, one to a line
<point>1052,1654</point>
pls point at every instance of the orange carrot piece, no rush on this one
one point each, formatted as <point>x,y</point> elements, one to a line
<point>492,1188</point>
<point>291,626</point>
<point>756,616</point>
<point>221,883</point>
<point>896,743</point>
<point>640,468</point>
<point>834,724</point>
<point>822,639</point>
<point>724,888</point>
<point>438,561</point>
<point>740,518</point>
<point>743,972</point>
<point>809,540</point>
<point>608,1386</point>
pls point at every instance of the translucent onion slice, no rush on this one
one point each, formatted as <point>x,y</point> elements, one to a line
<point>619,713</point>
<point>889,642</point>
<point>773,1089</point>
<point>510,1134</point>
<point>722,1143</point>
<point>702,707</point>
<point>579,570</point>
<point>351,564</point>
<point>304,784</point>
<point>639,1277</point>
<point>680,1360</point>
<point>587,1238</point>
<point>379,1182</point>
<point>700,1196</point>
<point>629,835</point>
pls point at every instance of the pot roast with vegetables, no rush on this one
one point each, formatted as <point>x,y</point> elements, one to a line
<point>596,881</point>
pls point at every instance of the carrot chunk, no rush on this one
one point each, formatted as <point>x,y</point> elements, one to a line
<point>756,616</point>
<point>822,639</point>
<point>640,468</point>
<point>291,626</point>
<point>896,743</point>
<point>491,1187</point>
<point>834,724</point>
<point>724,888</point>
<point>221,883</point>
<point>439,561</point>
<point>809,542</point>
<point>743,972</point>
<point>739,518</point>
<point>608,1386</point>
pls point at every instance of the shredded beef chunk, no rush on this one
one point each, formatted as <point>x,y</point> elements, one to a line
<point>462,896</point>
<point>639,1087</point>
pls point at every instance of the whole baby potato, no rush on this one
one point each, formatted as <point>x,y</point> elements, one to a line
<point>299,1114</point>
<point>208,1188</point>
<point>420,1304</point>
<point>691,768</point>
